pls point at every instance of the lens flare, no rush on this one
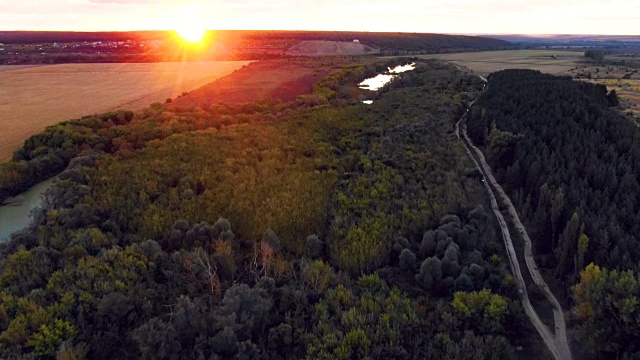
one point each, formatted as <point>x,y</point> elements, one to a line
<point>190,25</point>
<point>191,34</point>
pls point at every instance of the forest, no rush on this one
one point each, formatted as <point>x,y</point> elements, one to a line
<point>399,41</point>
<point>571,162</point>
<point>317,229</point>
<point>33,47</point>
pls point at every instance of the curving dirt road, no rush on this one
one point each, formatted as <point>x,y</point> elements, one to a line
<point>556,343</point>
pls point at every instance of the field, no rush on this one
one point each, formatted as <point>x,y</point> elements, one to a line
<point>486,62</point>
<point>628,92</point>
<point>558,62</point>
<point>259,81</point>
<point>32,98</point>
<point>320,48</point>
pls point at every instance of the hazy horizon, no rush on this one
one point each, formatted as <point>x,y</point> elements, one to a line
<point>495,17</point>
<point>532,35</point>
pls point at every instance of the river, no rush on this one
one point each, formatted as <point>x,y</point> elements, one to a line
<point>379,81</point>
<point>14,217</point>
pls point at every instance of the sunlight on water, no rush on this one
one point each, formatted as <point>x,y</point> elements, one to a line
<point>379,81</point>
<point>402,68</point>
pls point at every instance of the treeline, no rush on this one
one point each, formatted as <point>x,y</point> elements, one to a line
<point>333,231</point>
<point>48,153</point>
<point>389,41</point>
<point>399,41</point>
<point>222,45</point>
<point>34,37</point>
<point>572,165</point>
<point>597,54</point>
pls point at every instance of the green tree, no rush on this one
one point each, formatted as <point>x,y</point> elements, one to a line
<point>49,337</point>
<point>482,308</point>
<point>583,245</point>
<point>430,272</point>
<point>606,302</point>
<point>407,259</point>
<point>568,246</point>
<point>612,98</point>
<point>557,204</point>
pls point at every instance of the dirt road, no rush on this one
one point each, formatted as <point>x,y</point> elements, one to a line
<point>556,343</point>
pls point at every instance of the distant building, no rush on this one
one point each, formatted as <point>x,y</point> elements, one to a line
<point>356,40</point>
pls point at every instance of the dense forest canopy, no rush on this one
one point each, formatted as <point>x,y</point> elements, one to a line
<point>571,163</point>
<point>318,229</point>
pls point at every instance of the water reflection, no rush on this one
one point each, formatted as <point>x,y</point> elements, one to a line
<point>17,215</point>
<point>377,82</point>
<point>402,68</point>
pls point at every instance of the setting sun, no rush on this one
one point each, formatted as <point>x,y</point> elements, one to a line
<point>190,25</point>
<point>191,34</point>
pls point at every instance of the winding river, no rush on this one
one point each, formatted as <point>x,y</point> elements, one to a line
<point>16,216</point>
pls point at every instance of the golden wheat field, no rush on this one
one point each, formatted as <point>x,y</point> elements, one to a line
<point>34,97</point>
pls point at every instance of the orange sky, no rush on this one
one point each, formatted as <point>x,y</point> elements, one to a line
<point>620,17</point>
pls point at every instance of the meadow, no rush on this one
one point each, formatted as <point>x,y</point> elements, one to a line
<point>557,62</point>
<point>34,97</point>
<point>628,91</point>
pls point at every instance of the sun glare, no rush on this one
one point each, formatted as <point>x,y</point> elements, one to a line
<point>191,34</point>
<point>190,25</point>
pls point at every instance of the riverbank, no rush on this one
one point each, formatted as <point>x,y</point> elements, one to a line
<point>15,214</point>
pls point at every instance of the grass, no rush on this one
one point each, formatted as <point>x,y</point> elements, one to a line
<point>486,62</point>
<point>261,81</point>
<point>628,93</point>
<point>37,97</point>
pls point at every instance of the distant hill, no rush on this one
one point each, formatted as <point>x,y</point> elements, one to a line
<point>387,41</point>
<point>572,40</point>
<point>24,47</point>
<point>324,47</point>
<point>31,37</point>
<point>401,41</point>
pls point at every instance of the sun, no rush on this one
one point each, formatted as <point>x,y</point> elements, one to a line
<point>190,25</point>
<point>191,34</point>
